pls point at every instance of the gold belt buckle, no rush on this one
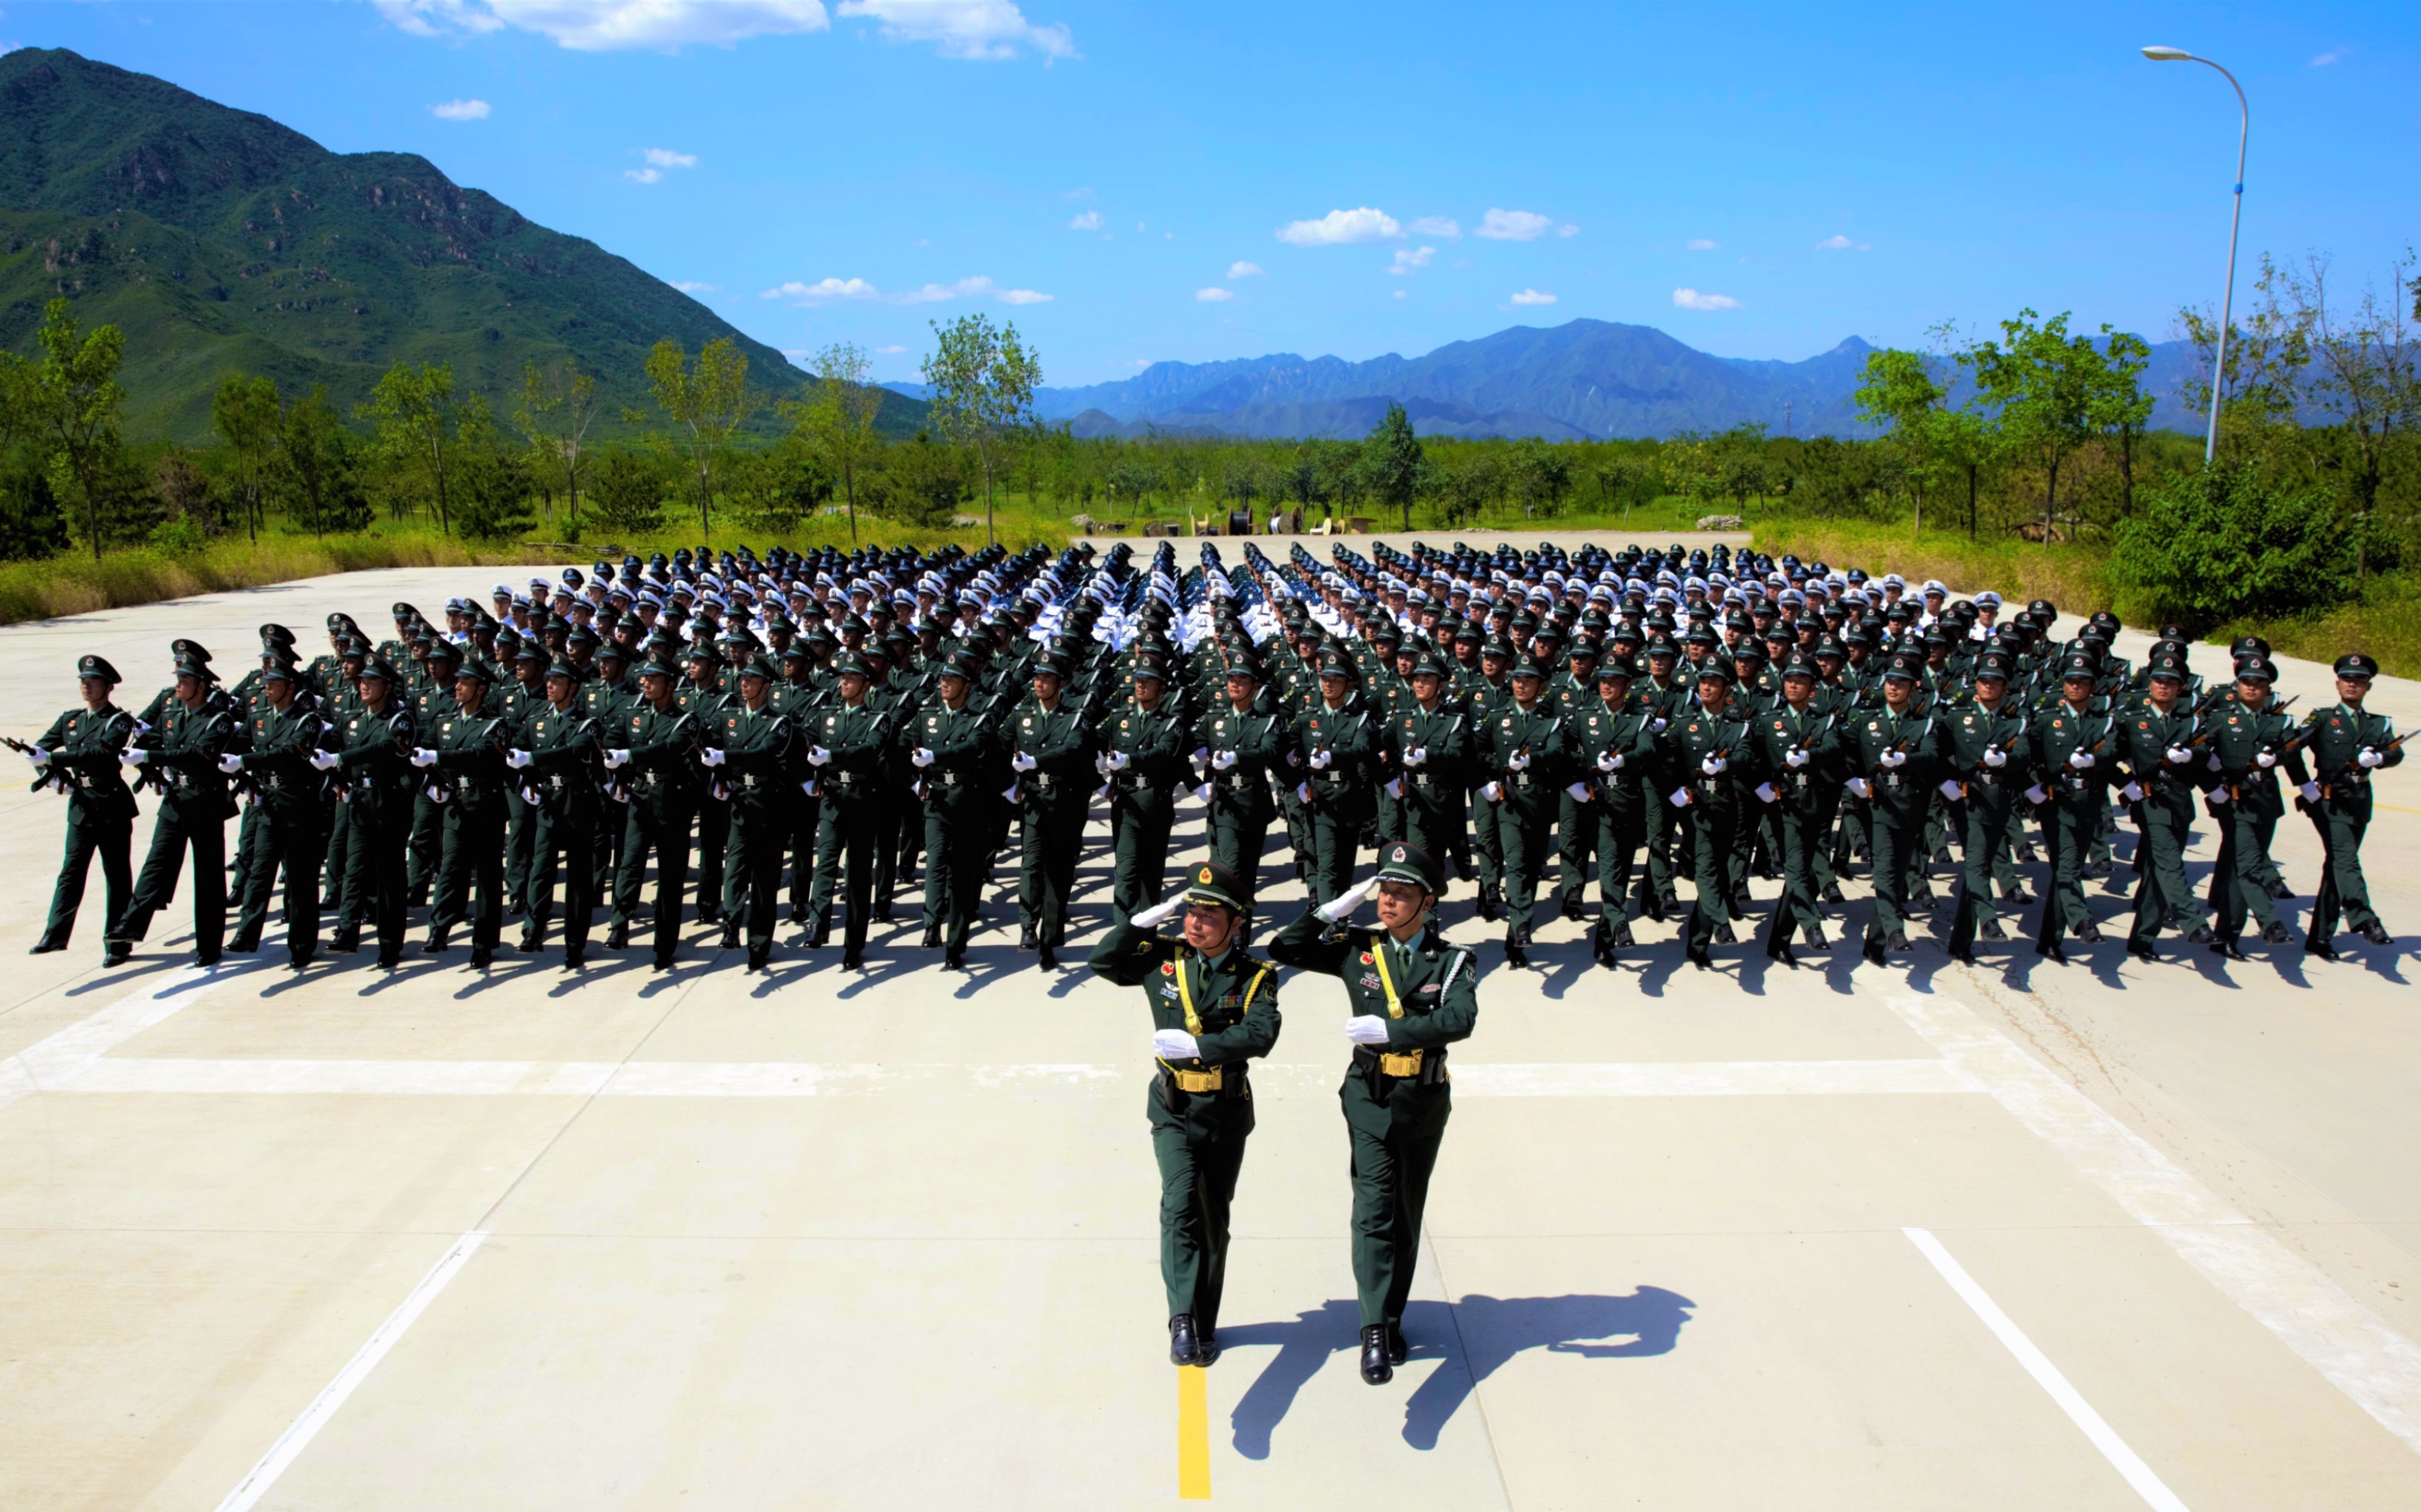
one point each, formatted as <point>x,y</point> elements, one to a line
<point>1210,1081</point>
<point>1407,1064</point>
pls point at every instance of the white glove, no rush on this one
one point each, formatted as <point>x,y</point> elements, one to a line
<point>1223,761</point>
<point>1892,760</point>
<point>1609,761</point>
<point>2311,791</point>
<point>1100,764</point>
<point>2132,792</point>
<point>1656,727</point>
<point>2265,759</point>
<point>37,757</point>
<point>2179,755</point>
<point>1996,759</point>
<point>1416,756</point>
<point>518,759</point>
<point>1013,792</point>
<point>2212,762</point>
<point>1518,761</point>
<point>1349,899</point>
<point>1201,754</point>
<point>1951,790</point>
<point>615,760</point>
<point>1494,792</point>
<point>1765,790</point>
<point>1175,1045</point>
<point>818,756</point>
<point>2081,759</point>
<point>1862,787</point>
<point>1580,791</point>
<point>1204,792</point>
<point>2216,797</point>
<point>1319,760</point>
<point>326,760</point>
<point>423,756</point>
<point>1160,913</point>
<point>713,755</point>
<point>1713,766</point>
<point>921,757</point>
<point>1395,786</point>
<point>2366,757</point>
<point>1119,761</point>
<point>230,763</point>
<point>2035,794</point>
<point>1679,798</point>
<point>135,757</point>
<point>1019,762</point>
<point>1366,1029</point>
<point>1303,792</point>
<point>1795,758</point>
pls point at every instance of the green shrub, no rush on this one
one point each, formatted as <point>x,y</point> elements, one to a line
<point>2225,544</point>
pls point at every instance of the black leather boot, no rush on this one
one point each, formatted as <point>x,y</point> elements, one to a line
<point>1397,1350</point>
<point>1184,1349</point>
<point>1377,1369</point>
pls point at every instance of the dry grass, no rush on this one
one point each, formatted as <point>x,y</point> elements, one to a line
<point>74,583</point>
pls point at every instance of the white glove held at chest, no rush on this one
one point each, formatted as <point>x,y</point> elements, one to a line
<point>921,757</point>
<point>1021,762</point>
<point>1175,1045</point>
<point>1366,1029</point>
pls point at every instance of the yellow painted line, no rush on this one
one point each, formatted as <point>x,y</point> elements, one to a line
<point>2397,808</point>
<point>1193,1434</point>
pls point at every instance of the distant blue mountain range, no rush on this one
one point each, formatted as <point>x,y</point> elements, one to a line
<point>1584,380</point>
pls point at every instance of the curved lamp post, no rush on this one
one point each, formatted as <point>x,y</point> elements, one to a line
<point>2227,301</point>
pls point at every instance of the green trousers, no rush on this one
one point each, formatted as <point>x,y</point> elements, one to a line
<point>2162,899</point>
<point>752,878</point>
<point>2240,886</point>
<point>199,826</point>
<point>958,857</point>
<point>283,836</point>
<point>1395,1131</point>
<point>1239,832</point>
<point>2341,817</point>
<point>1524,822</point>
<point>1895,832</point>
<point>1053,832</point>
<point>666,833</point>
<point>1199,1146</point>
<point>1142,819</point>
<point>471,871</point>
<point>562,844</point>
<point>113,841</point>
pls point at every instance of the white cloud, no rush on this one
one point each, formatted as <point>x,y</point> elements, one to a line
<point>1409,260</point>
<point>690,286</point>
<point>1690,299</point>
<point>1842,243</point>
<point>823,292</point>
<point>2334,55</point>
<point>1701,245</point>
<point>970,289</point>
<point>1567,230</point>
<point>644,176</point>
<point>1342,227</point>
<point>460,110</point>
<point>889,352</point>
<point>1089,220</point>
<point>1243,270</point>
<point>1513,226</point>
<point>1438,226</point>
<point>663,157</point>
<point>1533,296</point>
<point>1403,293</point>
<point>979,30</point>
<point>611,25</point>
<point>1215,296</point>
<point>1023,296</point>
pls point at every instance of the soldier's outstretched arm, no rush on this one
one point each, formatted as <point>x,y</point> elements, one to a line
<point>1255,1032</point>
<point>1127,956</point>
<point>1300,946</point>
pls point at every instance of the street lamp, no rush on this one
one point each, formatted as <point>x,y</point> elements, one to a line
<point>2227,301</point>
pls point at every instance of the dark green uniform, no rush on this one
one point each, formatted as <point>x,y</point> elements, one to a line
<point>83,746</point>
<point>2153,744</point>
<point>2337,801</point>
<point>857,745</point>
<point>1901,758</point>
<point>1344,789</point>
<point>287,802</point>
<point>2072,765</point>
<point>1987,758</point>
<point>757,773</point>
<point>1252,746</point>
<point>469,773</point>
<point>560,786</point>
<point>1711,811</point>
<point>1431,751</point>
<point>376,779</point>
<point>1802,753</point>
<point>2246,746</point>
<point>961,790</point>
<point>1053,796</point>
<point>183,758</point>
<point>1142,756</point>
<point>663,785</point>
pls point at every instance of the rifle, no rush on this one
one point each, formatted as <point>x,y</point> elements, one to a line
<point>49,772</point>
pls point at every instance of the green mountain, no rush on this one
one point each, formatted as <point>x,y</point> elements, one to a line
<point>219,240</point>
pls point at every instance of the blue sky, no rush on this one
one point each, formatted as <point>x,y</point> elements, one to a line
<point>1133,182</point>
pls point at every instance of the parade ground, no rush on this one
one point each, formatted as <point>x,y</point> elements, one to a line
<point>2103,1236</point>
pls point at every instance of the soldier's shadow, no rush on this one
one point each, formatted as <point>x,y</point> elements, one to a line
<point>1469,1341</point>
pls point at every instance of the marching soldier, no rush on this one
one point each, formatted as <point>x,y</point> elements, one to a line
<point>1143,749</point>
<point>1523,746</point>
<point>2071,744</point>
<point>751,756</point>
<point>1987,751</point>
<point>467,769</point>
<point>1051,746</point>
<point>375,785</point>
<point>651,748</point>
<point>1339,744</point>
<point>2163,749</point>
<point>1411,996</point>
<point>1610,748</point>
<point>849,742</point>
<point>1697,750</point>
<point>1799,749</point>
<point>80,755</point>
<point>2347,744</point>
<point>1897,751</point>
<point>182,753</point>
<point>1429,744</point>
<point>1246,740</point>
<point>1214,1009</point>
<point>2249,735</point>
<point>558,770</point>
<point>955,751</point>
<point>286,802</point>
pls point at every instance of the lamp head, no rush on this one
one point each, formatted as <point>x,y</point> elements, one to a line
<point>2168,54</point>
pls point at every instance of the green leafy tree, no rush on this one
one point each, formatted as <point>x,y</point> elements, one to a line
<point>776,489</point>
<point>557,406</point>
<point>706,402</point>
<point>418,421</point>
<point>246,412</point>
<point>318,472</point>
<point>980,383</point>
<point>71,402</point>
<point>628,493</point>
<point>838,419</point>
<point>2221,544</point>
<point>492,495</point>
<point>1391,462</point>
<point>922,484</point>
<point>2043,383</point>
<point>2366,376</point>
<point>1897,390</point>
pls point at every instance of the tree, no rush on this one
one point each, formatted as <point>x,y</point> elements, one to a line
<point>419,422</point>
<point>776,487</point>
<point>2366,375</point>
<point>492,495</point>
<point>1391,462</point>
<point>980,383</point>
<point>558,404</point>
<point>71,401</point>
<point>2043,382</point>
<point>247,414</point>
<point>317,472</point>
<point>707,403</point>
<point>2221,543</point>
<point>1898,389</point>
<point>2116,405</point>
<point>922,484</point>
<point>2268,354</point>
<point>839,419</point>
<point>628,495</point>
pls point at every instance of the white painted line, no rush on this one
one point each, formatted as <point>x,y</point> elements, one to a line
<point>298,1436</point>
<point>2080,1412</point>
<point>2295,1300</point>
<point>50,1063</point>
<point>777,1079</point>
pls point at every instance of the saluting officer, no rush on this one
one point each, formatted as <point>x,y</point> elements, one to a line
<point>2347,744</point>
<point>1213,1010</point>
<point>182,753</point>
<point>79,755</point>
<point>1410,995</point>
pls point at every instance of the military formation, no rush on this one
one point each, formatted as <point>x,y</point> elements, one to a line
<point>739,740</point>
